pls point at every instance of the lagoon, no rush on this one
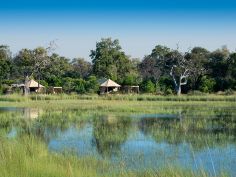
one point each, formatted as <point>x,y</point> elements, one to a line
<point>187,138</point>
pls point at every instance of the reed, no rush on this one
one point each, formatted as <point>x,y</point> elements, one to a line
<point>29,157</point>
<point>127,97</point>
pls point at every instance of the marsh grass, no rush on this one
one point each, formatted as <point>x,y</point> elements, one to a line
<point>125,97</point>
<point>27,155</point>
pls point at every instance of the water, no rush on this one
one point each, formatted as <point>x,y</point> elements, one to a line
<point>188,139</point>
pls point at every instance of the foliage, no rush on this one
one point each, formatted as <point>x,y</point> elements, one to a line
<point>148,86</point>
<point>109,61</point>
<point>167,69</point>
<point>80,68</point>
<point>207,84</point>
<point>5,62</point>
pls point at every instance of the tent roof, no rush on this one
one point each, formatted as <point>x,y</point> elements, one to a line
<point>109,83</point>
<point>33,84</point>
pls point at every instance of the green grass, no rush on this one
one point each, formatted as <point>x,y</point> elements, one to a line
<point>28,156</point>
<point>135,97</point>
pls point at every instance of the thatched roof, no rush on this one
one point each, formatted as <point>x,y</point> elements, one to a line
<point>33,84</point>
<point>109,83</point>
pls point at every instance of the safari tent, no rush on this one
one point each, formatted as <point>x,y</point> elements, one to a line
<point>130,89</point>
<point>35,86</point>
<point>109,86</point>
<point>55,90</point>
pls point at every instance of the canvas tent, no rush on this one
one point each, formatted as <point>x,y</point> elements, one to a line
<point>130,89</point>
<point>35,86</point>
<point>109,86</point>
<point>55,90</point>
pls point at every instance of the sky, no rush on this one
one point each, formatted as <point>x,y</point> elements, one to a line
<point>139,25</point>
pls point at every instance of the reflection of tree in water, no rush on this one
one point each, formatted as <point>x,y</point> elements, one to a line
<point>110,133</point>
<point>48,125</point>
<point>217,130</point>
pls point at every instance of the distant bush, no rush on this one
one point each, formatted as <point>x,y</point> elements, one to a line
<point>229,92</point>
<point>207,84</point>
<point>168,92</point>
<point>148,86</point>
<point>196,93</point>
<point>4,88</point>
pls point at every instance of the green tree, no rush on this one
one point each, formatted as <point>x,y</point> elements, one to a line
<point>32,62</point>
<point>5,63</point>
<point>218,68</point>
<point>80,68</point>
<point>68,85</point>
<point>57,68</point>
<point>80,86</point>
<point>231,75</point>
<point>92,85</point>
<point>199,58</point>
<point>109,60</point>
<point>152,66</point>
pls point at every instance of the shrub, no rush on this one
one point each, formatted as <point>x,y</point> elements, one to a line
<point>196,92</point>
<point>229,92</point>
<point>207,84</point>
<point>150,87</point>
<point>168,92</point>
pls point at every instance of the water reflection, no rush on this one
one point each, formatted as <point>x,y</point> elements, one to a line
<point>187,138</point>
<point>199,132</point>
<point>110,133</point>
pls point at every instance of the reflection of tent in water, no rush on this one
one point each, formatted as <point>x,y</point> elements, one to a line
<point>32,113</point>
<point>108,86</point>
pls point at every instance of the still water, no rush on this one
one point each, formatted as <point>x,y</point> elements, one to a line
<point>189,139</point>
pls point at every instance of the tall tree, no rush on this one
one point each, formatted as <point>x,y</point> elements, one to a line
<point>24,63</point>
<point>5,62</point>
<point>180,68</point>
<point>81,68</point>
<point>232,70</point>
<point>218,67</point>
<point>199,58</point>
<point>33,61</point>
<point>57,68</point>
<point>152,65</point>
<point>109,60</point>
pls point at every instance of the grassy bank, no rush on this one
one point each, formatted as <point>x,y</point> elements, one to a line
<point>135,97</point>
<point>28,157</point>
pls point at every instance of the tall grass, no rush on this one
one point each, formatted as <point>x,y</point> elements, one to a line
<point>135,97</point>
<point>29,157</point>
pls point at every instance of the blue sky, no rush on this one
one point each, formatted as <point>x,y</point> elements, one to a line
<point>138,24</point>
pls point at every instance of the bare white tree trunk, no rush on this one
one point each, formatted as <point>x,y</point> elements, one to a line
<point>179,91</point>
<point>26,87</point>
<point>182,79</point>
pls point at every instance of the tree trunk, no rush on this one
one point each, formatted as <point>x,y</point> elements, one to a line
<point>26,87</point>
<point>179,90</point>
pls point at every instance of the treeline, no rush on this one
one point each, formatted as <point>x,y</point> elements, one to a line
<point>163,71</point>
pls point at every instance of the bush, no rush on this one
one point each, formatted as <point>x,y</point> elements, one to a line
<point>168,92</point>
<point>196,93</point>
<point>4,89</point>
<point>229,92</point>
<point>207,84</point>
<point>148,86</point>
<point>92,85</point>
<point>80,86</point>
